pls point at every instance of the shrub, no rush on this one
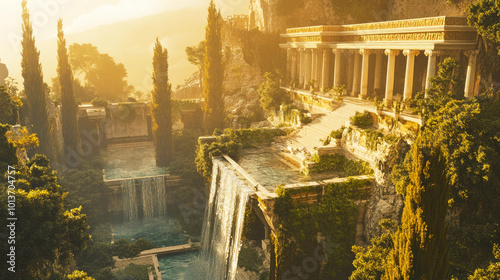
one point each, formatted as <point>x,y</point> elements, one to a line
<point>362,120</point>
<point>337,134</point>
<point>341,164</point>
<point>100,102</point>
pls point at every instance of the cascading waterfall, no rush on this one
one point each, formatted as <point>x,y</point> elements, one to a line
<point>223,226</point>
<point>150,197</point>
<point>130,212</point>
<point>154,203</point>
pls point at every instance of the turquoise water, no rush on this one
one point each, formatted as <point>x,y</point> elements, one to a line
<point>131,161</point>
<point>175,267</point>
<point>162,231</point>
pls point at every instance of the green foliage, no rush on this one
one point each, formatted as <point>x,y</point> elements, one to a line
<point>271,95</point>
<point>47,235</point>
<point>102,74</point>
<point>86,188</point>
<point>8,107</point>
<point>339,163</point>
<point>370,262</point>
<point>485,16</point>
<point>34,87</point>
<point>299,224</point>
<point>261,49</point>
<point>196,56</point>
<point>337,134</point>
<point>290,112</point>
<point>362,120</point>
<point>68,105</point>
<point>468,131</point>
<point>420,245</point>
<point>127,249</point>
<point>100,102</point>
<point>213,71</point>
<point>161,107</point>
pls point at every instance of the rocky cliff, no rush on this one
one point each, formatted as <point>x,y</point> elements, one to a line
<point>277,15</point>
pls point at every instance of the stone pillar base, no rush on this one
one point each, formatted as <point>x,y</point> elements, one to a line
<point>388,103</point>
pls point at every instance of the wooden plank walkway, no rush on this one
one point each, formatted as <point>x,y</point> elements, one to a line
<point>169,250</point>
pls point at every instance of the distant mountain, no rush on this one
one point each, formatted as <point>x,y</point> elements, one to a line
<point>131,43</point>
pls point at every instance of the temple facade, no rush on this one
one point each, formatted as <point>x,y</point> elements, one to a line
<point>389,60</point>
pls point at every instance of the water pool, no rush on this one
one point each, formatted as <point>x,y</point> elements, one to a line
<point>176,267</point>
<point>162,231</point>
<point>123,161</point>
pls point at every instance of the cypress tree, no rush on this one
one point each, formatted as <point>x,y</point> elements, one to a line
<point>420,247</point>
<point>213,74</point>
<point>68,105</point>
<point>33,86</point>
<point>161,107</point>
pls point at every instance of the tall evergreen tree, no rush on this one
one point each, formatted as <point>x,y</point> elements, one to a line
<point>68,105</point>
<point>213,74</point>
<point>33,86</point>
<point>161,107</point>
<point>420,247</point>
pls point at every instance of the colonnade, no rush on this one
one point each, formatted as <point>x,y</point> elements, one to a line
<point>313,64</point>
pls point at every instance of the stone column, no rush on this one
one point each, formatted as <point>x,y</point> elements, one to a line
<point>471,73</point>
<point>319,64</point>
<point>357,74</point>
<point>294,66</point>
<point>378,71</point>
<point>301,66</point>
<point>350,70</point>
<point>364,73</point>
<point>288,64</point>
<point>431,67</point>
<point>389,86</point>
<point>325,69</point>
<point>314,61</point>
<point>410,68</point>
<point>338,64</point>
<point>308,62</point>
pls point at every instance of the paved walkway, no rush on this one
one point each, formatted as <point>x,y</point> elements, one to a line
<point>309,135</point>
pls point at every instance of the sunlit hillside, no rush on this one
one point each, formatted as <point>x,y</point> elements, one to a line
<point>131,43</point>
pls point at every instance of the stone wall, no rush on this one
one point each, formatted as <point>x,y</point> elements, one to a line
<point>384,202</point>
<point>128,120</point>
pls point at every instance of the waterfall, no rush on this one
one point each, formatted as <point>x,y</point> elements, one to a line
<point>146,194</point>
<point>223,225</point>
<point>130,212</point>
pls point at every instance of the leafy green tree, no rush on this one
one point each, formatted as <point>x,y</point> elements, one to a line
<point>101,72</point>
<point>370,262</point>
<point>47,235</point>
<point>8,107</point>
<point>34,87</point>
<point>420,246</point>
<point>161,107</point>
<point>68,106</point>
<point>213,71</point>
<point>196,56</point>
<point>271,95</point>
<point>485,16</point>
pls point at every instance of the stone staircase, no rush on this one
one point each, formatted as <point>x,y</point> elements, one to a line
<point>308,137</point>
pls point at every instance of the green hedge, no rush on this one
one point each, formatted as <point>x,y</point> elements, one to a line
<point>341,164</point>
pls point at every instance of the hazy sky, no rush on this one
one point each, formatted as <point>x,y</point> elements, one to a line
<point>83,15</point>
